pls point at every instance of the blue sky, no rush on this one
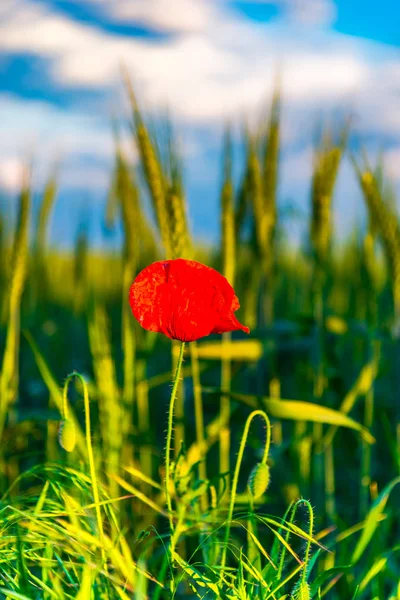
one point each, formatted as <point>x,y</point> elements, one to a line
<point>208,61</point>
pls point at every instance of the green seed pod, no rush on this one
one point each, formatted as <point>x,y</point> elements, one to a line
<point>258,480</point>
<point>302,592</point>
<point>67,435</point>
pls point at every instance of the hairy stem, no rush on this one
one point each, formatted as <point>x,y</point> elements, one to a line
<point>235,481</point>
<point>169,437</point>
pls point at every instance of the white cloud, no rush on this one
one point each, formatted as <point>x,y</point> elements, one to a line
<point>164,15</point>
<point>311,12</point>
<point>223,67</point>
<point>44,130</point>
<point>38,133</point>
<point>11,174</point>
<point>217,66</point>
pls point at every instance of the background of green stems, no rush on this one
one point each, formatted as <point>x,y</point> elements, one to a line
<point>316,515</point>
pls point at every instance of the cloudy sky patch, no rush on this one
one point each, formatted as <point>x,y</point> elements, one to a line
<point>207,61</point>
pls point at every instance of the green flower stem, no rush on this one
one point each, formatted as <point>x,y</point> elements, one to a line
<point>225,409</point>
<point>92,469</point>
<point>242,446</point>
<point>199,416</point>
<point>65,398</point>
<point>169,437</point>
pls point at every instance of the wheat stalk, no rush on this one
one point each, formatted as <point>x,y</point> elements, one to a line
<point>152,168</point>
<point>181,246</point>
<point>46,206</point>
<point>327,160</point>
<point>110,412</point>
<point>270,175</point>
<point>181,243</point>
<point>228,269</point>
<point>388,228</point>
<point>80,271</point>
<point>127,194</point>
<point>228,240</point>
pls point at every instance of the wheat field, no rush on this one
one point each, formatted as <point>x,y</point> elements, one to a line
<point>285,454</point>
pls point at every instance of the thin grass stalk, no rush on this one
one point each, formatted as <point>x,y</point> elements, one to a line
<point>252,294</point>
<point>93,477</point>
<point>229,267</point>
<point>129,363</point>
<point>270,189</point>
<point>371,271</point>
<point>369,410</point>
<point>129,348</point>
<point>225,411</point>
<point>228,238</point>
<point>330,504</point>
<point>326,166</point>
<point>81,257</point>
<point>144,428</point>
<point>110,412</point>
<point>46,207</point>
<point>255,186</point>
<point>127,192</point>
<point>199,417</point>
<point>303,447</point>
<point>366,454</point>
<point>318,390</point>
<point>275,393</point>
<point>241,207</point>
<point>181,243</point>
<point>243,201</point>
<point>388,228</point>
<point>260,242</point>
<point>19,259</point>
<point>143,419</point>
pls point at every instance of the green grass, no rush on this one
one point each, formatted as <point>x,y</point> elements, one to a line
<point>315,514</point>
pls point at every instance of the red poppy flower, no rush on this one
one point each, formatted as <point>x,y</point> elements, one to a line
<point>184,300</point>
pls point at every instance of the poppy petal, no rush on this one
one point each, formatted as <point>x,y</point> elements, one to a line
<point>184,300</point>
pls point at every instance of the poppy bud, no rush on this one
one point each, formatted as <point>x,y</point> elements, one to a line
<point>67,435</point>
<point>258,480</point>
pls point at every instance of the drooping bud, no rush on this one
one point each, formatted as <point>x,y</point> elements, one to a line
<point>258,480</point>
<point>67,435</point>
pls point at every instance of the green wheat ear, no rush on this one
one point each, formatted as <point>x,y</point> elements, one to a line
<point>259,479</point>
<point>67,435</point>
